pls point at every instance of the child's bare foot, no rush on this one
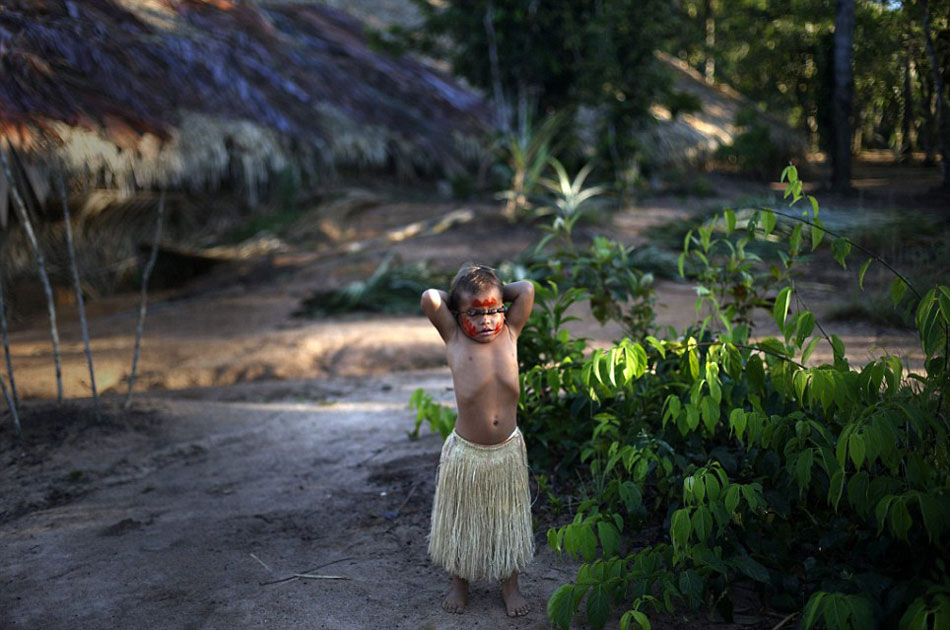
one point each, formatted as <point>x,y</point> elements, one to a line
<point>457,596</point>
<point>515,602</point>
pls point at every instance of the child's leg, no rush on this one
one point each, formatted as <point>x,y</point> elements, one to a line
<point>457,596</point>
<point>515,602</point>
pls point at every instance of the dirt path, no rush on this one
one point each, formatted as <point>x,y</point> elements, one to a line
<point>208,499</point>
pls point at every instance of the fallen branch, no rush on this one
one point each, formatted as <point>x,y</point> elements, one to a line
<point>785,621</point>
<point>308,574</point>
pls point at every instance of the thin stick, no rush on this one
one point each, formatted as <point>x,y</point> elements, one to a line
<point>24,218</point>
<point>853,244</point>
<point>785,621</point>
<point>307,576</point>
<point>148,272</point>
<point>6,348</point>
<point>70,248</point>
<point>297,575</point>
<point>261,562</point>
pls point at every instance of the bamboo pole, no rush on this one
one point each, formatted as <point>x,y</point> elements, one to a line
<point>80,305</point>
<point>13,412</point>
<point>143,304</point>
<point>6,347</point>
<point>24,218</point>
<point>12,401</point>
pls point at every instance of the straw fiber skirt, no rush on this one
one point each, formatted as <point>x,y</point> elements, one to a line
<point>481,515</point>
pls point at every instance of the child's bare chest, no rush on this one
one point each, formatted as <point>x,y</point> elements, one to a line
<point>478,368</point>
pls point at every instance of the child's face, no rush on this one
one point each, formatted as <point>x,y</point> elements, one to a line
<point>480,315</point>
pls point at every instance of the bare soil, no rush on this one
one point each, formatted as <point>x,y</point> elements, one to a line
<point>261,446</point>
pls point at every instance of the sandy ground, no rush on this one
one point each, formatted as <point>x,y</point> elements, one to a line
<point>261,446</point>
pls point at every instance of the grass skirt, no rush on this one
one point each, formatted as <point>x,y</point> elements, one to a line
<point>481,515</point>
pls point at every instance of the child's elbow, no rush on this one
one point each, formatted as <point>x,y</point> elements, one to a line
<point>430,301</point>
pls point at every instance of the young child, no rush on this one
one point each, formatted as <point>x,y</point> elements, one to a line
<point>481,515</point>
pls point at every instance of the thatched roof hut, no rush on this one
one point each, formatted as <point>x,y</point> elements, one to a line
<point>194,94</point>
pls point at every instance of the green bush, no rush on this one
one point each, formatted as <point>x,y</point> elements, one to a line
<point>827,487</point>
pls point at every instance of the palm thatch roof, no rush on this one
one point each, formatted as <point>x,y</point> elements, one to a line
<point>193,94</point>
<point>693,138</point>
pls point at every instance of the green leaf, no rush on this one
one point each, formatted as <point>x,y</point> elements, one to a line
<point>780,310</point>
<point>609,538</point>
<point>898,289</point>
<point>712,380</point>
<point>864,270</point>
<point>840,248</point>
<point>657,344</point>
<point>900,519</point>
<point>806,353</point>
<point>837,346</point>
<point>811,609</point>
<point>934,517</point>
<point>749,567</point>
<point>737,422</point>
<point>856,449</point>
<point>693,358</point>
<point>730,221</point>
<point>710,411</point>
<point>803,470</point>
<point>702,523</point>
<point>836,488</point>
<point>768,221</point>
<point>731,498</point>
<point>561,606</point>
<point>587,542</point>
<point>691,585</point>
<point>817,234</point>
<point>598,607</point>
<point>836,611</point>
<point>795,240</point>
<point>630,495</point>
<point>680,528</point>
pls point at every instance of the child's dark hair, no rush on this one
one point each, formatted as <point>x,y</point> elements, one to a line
<point>472,279</point>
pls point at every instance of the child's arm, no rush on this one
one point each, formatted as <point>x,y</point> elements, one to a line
<point>521,296</point>
<point>435,304</point>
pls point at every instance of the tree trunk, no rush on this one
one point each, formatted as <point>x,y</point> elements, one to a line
<point>6,347</point>
<point>20,207</point>
<point>142,305</point>
<point>502,114</point>
<point>943,125</point>
<point>709,69</point>
<point>71,250</point>
<point>843,95</point>
<point>907,119</point>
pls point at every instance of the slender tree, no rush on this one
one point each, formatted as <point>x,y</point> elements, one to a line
<point>6,347</point>
<point>20,208</point>
<point>144,301</point>
<point>71,250</point>
<point>943,125</point>
<point>843,95</point>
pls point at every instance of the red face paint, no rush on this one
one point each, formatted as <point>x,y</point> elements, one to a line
<point>485,303</point>
<point>499,326</point>
<point>468,327</point>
